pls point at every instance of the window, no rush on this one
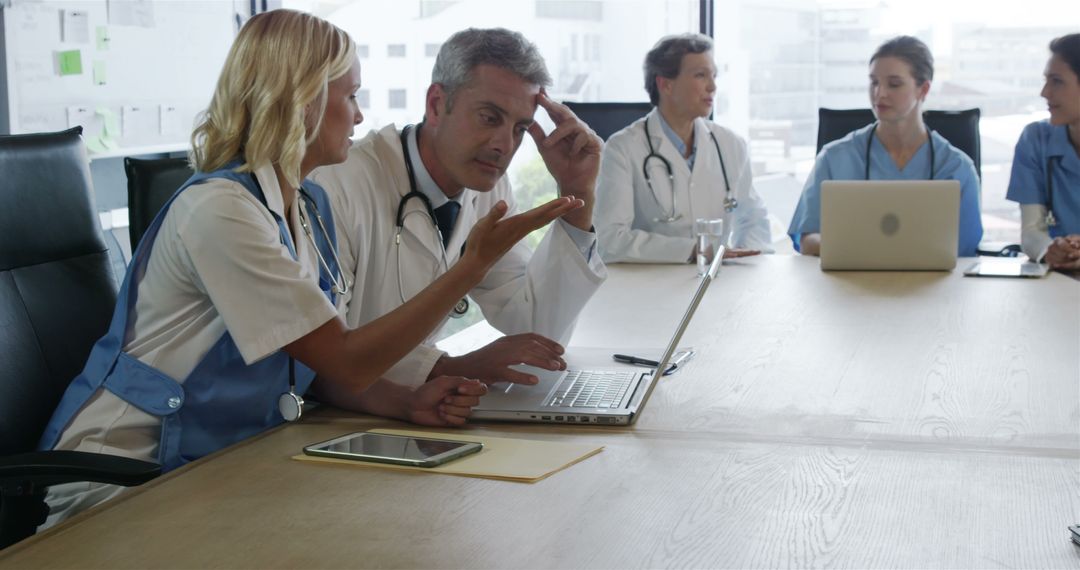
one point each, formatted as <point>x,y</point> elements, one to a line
<point>395,50</point>
<point>362,51</point>
<point>610,39</point>
<point>570,9</point>
<point>802,55</point>
<point>363,98</point>
<point>397,99</point>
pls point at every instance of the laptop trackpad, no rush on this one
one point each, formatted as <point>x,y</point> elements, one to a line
<point>509,394</point>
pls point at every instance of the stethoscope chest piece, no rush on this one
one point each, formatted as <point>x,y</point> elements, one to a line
<point>460,308</point>
<point>730,204</point>
<point>291,406</point>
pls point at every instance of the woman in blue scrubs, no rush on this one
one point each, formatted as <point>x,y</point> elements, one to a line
<point>1046,166</point>
<point>898,144</point>
<point>229,307</point>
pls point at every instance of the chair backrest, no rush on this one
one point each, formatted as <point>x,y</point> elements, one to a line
<point>608,118</point>
<point>150,184</point>
<point>57,290</point>
<point>960,128</point>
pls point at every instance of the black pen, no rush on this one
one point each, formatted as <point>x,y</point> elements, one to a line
<point>627,359</point>
<point>672,367</point>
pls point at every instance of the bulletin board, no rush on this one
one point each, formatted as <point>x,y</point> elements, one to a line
<point>133,73</point>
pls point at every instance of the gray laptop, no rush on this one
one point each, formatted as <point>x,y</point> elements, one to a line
<point>889,224</point>
<point>613,396</point>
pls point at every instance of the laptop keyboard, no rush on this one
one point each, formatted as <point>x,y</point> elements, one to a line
<point>592,389</point>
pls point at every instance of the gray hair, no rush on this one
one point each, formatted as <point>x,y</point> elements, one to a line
<point>912,51</point>
<point>499,47</point>
<point>665,58</point>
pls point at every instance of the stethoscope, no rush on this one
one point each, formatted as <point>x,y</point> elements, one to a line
<point>291,404</point>
<point>730,203</point>
<point>929,140</point>
<point>1051,219</point>
<point>462,306</point>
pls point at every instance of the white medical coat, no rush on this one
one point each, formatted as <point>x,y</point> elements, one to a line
<point>525,291</point>
<point>626,208</point>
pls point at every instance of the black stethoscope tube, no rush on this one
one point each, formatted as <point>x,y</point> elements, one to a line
<point>462,306</point>
<point>730,203</point>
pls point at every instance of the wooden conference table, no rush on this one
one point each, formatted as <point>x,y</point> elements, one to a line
<point>830,420</point>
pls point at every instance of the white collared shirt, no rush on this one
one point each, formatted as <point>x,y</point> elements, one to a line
<point>584,240</point>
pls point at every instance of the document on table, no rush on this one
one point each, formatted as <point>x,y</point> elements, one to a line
<point>506,459</point>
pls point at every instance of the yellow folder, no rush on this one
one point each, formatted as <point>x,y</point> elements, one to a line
<point>506,459</point>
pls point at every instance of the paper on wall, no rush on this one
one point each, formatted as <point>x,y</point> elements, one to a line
<point>139,122</point>
<point>131,13</point>
<point>75,26</point>
<point>169,119</point>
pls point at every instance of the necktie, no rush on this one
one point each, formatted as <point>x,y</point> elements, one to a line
<point>445,216</point>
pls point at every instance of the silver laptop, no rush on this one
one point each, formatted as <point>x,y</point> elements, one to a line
<point>613,396</point>
<point>889,224</point>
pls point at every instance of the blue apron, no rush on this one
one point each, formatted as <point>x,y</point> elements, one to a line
<point>223,400</point>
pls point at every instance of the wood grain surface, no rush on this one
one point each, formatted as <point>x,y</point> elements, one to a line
<point>830,420</point>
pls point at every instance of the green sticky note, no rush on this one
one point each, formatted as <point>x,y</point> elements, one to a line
<point>99,73</point>
<point>70,62</point>
<point>102,38</point>
<point>94,144</point>
<point>111,128</point>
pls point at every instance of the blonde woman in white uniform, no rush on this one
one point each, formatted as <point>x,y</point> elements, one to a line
<point>675,165</point>
<point>227,311</point>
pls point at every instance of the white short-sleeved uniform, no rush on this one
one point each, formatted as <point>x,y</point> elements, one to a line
<point>217,265</point>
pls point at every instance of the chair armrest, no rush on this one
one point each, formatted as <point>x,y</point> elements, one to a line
<point>40,469</point>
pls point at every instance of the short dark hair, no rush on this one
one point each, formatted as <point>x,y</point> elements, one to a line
<point>913,52</point>
<point>1068,48</point>
<point>665,58</point>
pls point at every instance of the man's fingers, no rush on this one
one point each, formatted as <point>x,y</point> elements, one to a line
<point>541,215</point>
<point>494,215</point>
<point>557,111</point>
<point>542,341</point>
<point>581,141</point>
<point>537,133</point>
<point>561,132</point>
<point>517,377</point>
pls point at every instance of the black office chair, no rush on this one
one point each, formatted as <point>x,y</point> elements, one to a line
<point>151,182</point>
<point>960,128</point>
<point>608,118</point>
<point>56,299</point>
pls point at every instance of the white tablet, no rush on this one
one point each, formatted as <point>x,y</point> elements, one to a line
<point>1006,267</point>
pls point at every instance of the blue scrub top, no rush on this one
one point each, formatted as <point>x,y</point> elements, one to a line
<point>845,159</point>
<point>1039,144</point>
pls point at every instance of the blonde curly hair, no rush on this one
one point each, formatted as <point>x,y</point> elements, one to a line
<point>271,96</point>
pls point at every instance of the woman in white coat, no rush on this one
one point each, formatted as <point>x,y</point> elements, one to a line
<point>674,165</point>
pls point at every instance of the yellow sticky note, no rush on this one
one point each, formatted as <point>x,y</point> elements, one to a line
<point>70,62</point>
<point>99,73</point>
